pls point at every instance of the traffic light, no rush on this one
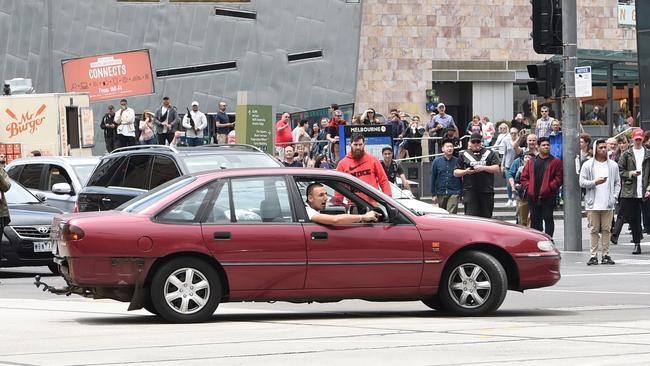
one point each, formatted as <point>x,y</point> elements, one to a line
<point>547,26</point>
<point>432,100</point>
<point>547,78</point>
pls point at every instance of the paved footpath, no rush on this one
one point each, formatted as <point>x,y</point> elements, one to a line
<point>597,315</point>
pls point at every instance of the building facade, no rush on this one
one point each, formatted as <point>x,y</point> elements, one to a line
<point>473,53</point>
<point>303,54</point>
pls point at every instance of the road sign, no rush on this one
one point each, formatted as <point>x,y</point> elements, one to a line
<point>583,81</point>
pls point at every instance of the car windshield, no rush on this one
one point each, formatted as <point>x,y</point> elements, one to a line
<point>200,163</point>
<point>17,195</point>
<point>400,201</point>
<point>143,201</point>
<point>83,172</point>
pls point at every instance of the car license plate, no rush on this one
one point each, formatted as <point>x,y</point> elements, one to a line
<point>42,246</point>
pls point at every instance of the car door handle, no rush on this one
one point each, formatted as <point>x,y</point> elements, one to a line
<point>318,236</point>
<point>221,235</point>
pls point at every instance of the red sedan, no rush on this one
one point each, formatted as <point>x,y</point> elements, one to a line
<point>244,234</point>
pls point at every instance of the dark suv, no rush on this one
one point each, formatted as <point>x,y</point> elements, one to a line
<point>128,172</point>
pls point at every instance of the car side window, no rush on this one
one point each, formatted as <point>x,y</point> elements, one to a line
<point>31,176</point>
<point>261,199</point>
<point>187,209</point>
<point>136,171</point>
<point>14,172</point>
<point>220,211</point>
<point>344,198</point>
<point>106,171</point>
<point>164,169</point>
<point>57,174</point>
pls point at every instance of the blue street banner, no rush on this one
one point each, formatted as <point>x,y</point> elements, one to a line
<point>376,137</point>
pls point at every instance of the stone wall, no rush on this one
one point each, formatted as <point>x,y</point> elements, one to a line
<point>400,38</point>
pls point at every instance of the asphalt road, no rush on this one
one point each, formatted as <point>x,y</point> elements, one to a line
<point>597,315</point>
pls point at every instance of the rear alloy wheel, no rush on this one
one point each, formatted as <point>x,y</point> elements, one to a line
<point>185,290</point>
<point>474,283</point>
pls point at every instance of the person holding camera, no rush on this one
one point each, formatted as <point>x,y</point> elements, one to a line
<point>600,178</point>
<point>414,133</point>
<point>477,166</point>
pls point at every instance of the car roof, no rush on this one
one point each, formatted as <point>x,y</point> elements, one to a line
<point>71,160</point>
<point>236,172</point>
<point>185,151</point>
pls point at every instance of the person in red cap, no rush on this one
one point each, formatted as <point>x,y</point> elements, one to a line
<point>634,167</point>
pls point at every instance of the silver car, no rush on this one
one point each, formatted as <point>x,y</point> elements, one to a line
<point>57,179</point>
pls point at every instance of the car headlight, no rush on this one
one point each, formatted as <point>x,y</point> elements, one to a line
<point>546,245</point>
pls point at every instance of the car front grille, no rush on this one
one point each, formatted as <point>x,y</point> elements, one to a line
<point>32,232</point>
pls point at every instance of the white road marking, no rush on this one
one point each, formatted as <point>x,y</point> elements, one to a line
<point>599,307</point>
<point>605,274</point>
<point>595,292</point>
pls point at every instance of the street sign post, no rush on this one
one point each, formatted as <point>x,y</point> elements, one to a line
<point>583,81</point>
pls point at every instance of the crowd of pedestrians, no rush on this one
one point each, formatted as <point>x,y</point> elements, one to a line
<point>123,127</point>
<point>613,175</point>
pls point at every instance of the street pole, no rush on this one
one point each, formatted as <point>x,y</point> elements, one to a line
<point>570,131</point>
<point>50,47</point>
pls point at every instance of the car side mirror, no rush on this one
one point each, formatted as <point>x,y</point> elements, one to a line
<point>61,188</point>
<point>41,197</point>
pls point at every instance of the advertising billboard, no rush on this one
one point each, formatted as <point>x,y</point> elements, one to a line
<point>110,76</point>
<point>31,121</point>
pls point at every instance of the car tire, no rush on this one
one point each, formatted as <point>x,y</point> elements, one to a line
<point>433,302</point>
<point>175,294</point>
<point>474,283</point>
<point>54,268</point>
<point>150,308</point>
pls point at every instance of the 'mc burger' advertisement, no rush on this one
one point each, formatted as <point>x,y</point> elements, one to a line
<point>111,76</point>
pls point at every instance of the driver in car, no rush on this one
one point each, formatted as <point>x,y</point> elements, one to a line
<point>316,200</point>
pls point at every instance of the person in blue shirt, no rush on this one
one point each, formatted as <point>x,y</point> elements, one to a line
<point>556,139</point>
<point>445,188</point>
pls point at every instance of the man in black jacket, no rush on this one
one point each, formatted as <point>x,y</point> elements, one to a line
<point>477,166</point>
<point>165,122</point>
<point>108,125</point>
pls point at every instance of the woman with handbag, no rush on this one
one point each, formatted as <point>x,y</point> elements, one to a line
<point>147,135</point>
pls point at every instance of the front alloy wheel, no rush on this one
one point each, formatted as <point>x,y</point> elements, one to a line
<point>185,290</point>
<point>474,283</point>
<point>469,285</point>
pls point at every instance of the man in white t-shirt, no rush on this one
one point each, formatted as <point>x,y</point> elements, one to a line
<point>316,201</point>
<point>602,182</point>
<point>125,121</point>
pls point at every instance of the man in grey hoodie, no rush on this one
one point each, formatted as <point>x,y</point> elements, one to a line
<point>602,182</point>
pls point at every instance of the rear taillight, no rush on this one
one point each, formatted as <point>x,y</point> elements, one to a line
<point>71,233</point>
